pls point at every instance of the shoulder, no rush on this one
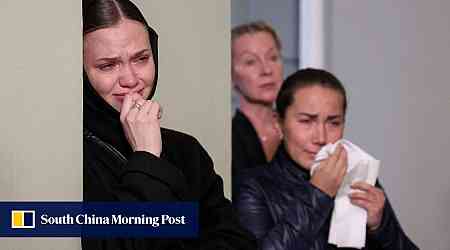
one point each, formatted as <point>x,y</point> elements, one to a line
<point>179,147</point>
<point>240,123</point>
<point>180,142</point>
<point>171,136</point>
<point>256,180</point>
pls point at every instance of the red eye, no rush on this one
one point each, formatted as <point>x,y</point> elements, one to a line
<point>304,121</point>
<point>106,66</point>
<point>143,58</point>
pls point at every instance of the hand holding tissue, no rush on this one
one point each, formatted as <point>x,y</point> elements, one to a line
<point>331,172</point>
<point>348,221</point>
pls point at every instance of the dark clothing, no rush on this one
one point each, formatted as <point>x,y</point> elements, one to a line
<point>247,148</point>
<point>285,211</point>
<point>183,172</point>
<point>248,151</point>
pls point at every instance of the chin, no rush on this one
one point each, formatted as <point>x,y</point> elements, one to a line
<point>269,97</point>
<point>305,164</point>
<point>116,105</point>
<point>266,100</point>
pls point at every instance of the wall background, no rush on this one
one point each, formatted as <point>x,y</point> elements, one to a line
<point>41,97</point>
<point>40,107</point>
<point>194,74</point>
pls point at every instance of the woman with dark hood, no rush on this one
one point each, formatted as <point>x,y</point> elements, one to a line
<point>127,156</point>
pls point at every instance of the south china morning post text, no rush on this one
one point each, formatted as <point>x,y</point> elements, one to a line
<point>86,219</point>
<point>99,219</point>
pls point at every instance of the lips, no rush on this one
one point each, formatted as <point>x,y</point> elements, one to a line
<point>268,85</point>
<point>121,96</point>
<point>312,154</point>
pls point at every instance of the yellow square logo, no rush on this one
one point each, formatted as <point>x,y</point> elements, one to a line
<point>22,219</point>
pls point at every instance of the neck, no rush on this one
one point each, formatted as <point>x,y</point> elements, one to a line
<point>256,112</point>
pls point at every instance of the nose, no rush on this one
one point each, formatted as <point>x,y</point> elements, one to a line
<point>320,135</point>
<point>128,77</point>
<point>266,67</point>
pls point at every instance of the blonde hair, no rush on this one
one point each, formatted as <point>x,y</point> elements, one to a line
<point>255,27</point>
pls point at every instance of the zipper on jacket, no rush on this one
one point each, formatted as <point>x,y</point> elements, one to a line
<point>105,145</point>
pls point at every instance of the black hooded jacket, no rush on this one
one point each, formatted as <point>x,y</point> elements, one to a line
<point>279,205</point>
<point>183,172</point>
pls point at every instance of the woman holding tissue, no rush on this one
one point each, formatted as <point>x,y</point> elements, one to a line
<point>127,156</point>
<point>285,206</point>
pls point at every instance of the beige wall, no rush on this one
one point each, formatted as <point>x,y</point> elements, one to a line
<point>41,65</point>
<point>40,105</point>
<point>194,79</point>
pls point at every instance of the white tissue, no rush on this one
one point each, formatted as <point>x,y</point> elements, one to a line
<point>348,222</point>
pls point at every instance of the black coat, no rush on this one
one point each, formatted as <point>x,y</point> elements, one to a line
<point>285,211</point>
<point>183,173</point>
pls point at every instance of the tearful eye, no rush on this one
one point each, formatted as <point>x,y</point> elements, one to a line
<point>275,58</point>
<point>249,62</point>
<point>335,123</point>
<point>304,121</point>
<point>143,59</point>
<point>106,66</point>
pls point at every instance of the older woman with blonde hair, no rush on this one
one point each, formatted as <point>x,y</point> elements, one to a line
<point>257,74</point>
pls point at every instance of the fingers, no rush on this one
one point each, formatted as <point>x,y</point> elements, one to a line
<point>371,199</point>
<point>366,194</point>
<point>342,163</point>
<point>126,107</point>
<point>363,203</point>
<point>337,163</point>
<point>149,110</point>
<point>336,155</point>
<point>363,186</point>
<point>129,103</point>
<point>154,110</point>
<point>144,110</point>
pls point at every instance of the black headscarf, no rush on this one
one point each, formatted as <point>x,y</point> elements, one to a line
<point>102,119</point>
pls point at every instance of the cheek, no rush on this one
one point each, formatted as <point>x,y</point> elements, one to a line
<point>280,77</point>
<point>102,83</point>
<point>296,136</point>
<point>335,134</point>
<point>244,77</point>
<point>296,141</point>
<point>147,75</point>
<point>279,70</point>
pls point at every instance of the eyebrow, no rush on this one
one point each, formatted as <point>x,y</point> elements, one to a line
<point>140,53</point>
<point>273,49</point>
<point>315,116</point>
<point>137,54</point>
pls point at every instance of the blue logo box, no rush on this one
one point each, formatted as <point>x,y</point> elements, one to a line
<point>99,219</point>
